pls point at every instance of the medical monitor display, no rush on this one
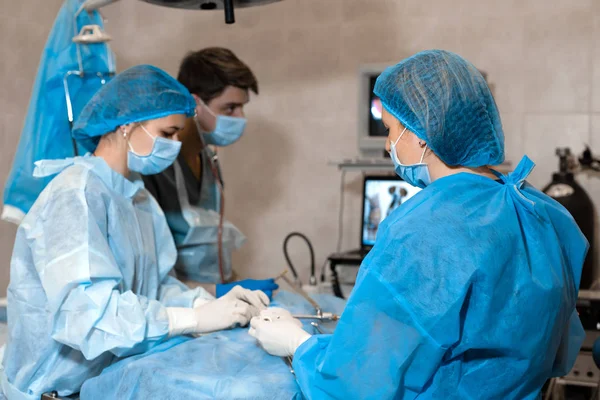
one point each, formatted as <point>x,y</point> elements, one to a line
<point>376,127</point>
<point>381,197</point>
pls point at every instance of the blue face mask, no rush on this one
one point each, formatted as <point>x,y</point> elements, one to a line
<point>415,174</point>
<point>228,130</point>
<point>163,155</point>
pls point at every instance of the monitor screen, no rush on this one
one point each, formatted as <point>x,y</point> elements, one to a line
<point>382,196</point>
<point>376,127</point>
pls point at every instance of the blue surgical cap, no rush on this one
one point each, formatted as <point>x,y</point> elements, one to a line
<point>444,100</point>
<point>138,94</point>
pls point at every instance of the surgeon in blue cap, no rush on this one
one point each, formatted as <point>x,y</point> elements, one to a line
<point>469,291</point>
<point>90,273</point>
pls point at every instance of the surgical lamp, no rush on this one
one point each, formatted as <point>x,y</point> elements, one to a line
<point>227,5</point>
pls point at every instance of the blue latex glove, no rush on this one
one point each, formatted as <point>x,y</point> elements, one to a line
<point>266,285</point>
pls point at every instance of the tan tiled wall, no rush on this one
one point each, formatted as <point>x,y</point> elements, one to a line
<point>543,58</point>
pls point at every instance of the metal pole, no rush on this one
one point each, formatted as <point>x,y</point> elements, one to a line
<point>229,15</point>
<point>91,5</point>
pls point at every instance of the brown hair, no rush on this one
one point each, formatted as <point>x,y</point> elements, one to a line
<point>206,73</point>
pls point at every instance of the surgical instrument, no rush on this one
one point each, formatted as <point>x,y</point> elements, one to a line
<point>300,291</point>
<point>317,327</point>
<point>323,316</point>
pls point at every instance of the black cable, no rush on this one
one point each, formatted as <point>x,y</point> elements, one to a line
<point>323,270</point>
<point>287,257</point>
<point>341,213</point>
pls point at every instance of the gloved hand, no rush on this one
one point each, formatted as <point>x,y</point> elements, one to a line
<point>265,285</point>
<point>280,337</point>
<point>235,308</point>
<point>276,313</point>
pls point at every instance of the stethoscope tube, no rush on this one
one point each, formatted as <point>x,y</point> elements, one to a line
<point>213,161</point>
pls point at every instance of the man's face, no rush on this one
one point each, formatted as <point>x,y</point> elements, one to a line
<point>231,102</point>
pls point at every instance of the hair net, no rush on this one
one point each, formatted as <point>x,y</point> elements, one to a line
<point>138,94</point>
<point>444,100</point>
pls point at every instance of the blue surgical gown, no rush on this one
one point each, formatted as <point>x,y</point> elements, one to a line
<point>46,132</point>
<point>89,279</point>
<point>468,293</point>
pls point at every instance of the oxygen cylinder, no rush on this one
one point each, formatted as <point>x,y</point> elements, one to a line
<point>565,189</point>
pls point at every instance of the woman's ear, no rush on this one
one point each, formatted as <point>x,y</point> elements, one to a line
<point>125,130</point>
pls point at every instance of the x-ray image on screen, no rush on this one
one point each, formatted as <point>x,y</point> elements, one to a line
<point>382,197</point>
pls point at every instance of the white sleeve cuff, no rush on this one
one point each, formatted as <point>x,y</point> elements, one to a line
<point>182,321</point>
<point>12,214</point>
<point>302,339</point>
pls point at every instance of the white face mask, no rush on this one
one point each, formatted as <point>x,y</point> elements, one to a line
<point>415,174</point>
<point>228,130</point>
<point>162,156</point>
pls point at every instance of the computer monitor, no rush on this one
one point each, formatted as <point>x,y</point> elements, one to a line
<point>381,196</point>
<point>371,131</point>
